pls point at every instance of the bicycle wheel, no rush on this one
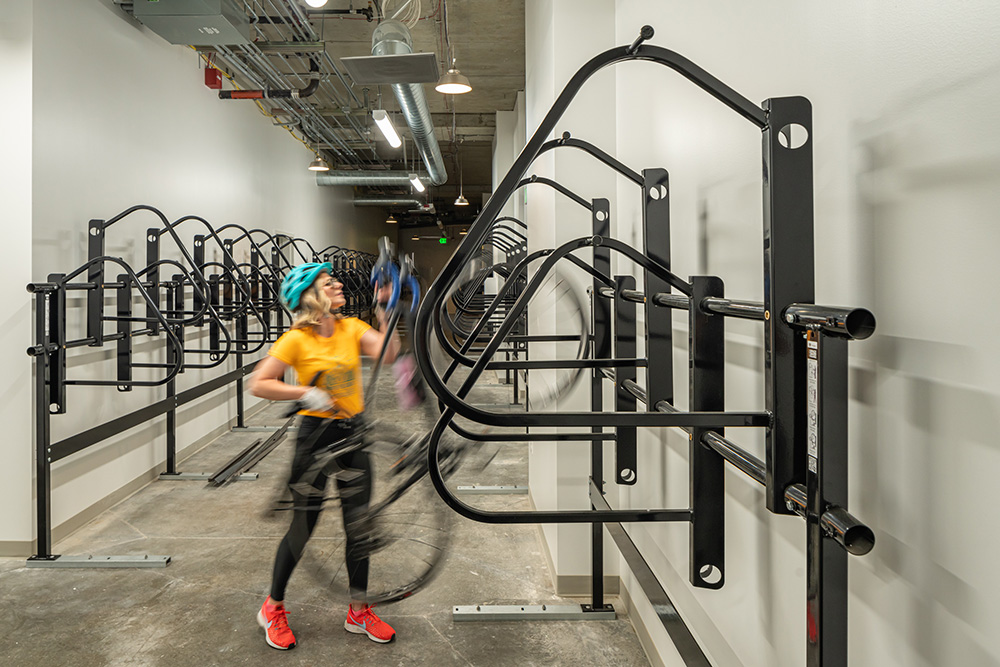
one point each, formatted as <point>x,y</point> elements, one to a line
<point>410,526</point>
<point>556,312</point>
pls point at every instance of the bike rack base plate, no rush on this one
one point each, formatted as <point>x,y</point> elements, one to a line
<point>205,476</point>
<point>261,429</point>
<point>476,488</point>
<point>531,612</point>
<point>104,562</point>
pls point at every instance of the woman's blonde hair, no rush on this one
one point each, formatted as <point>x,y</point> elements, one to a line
<point>313,306</point>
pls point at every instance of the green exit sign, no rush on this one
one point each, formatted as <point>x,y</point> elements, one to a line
<point>442,240</point>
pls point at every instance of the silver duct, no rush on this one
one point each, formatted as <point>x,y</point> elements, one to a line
<point>392,37</point>
<point>372,178</point>
<point>412,202</point>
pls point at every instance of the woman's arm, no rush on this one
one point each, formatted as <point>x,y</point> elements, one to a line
<point>266,381</point>
<point>371,341</point>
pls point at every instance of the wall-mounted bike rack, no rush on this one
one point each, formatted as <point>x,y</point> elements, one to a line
<point>804,418</point>
<point>238,302</point>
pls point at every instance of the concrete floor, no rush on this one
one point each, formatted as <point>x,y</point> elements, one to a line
<point>200,609</point>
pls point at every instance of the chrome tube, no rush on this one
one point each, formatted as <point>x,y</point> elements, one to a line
<point>853,323</point>
<point>838,524</point>
<point>747,310</point>
<point>668,300</point>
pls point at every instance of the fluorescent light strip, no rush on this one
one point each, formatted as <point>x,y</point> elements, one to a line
<point>415,182</point>
<point>382,120</point>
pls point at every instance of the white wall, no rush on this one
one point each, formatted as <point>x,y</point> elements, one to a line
<point>907,185</point>
<point>115,117</point>
<point>508,140</point>
<point>15,267</point>
<point>558,471</point>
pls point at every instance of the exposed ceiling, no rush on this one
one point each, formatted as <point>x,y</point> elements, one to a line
<point>289,39</point>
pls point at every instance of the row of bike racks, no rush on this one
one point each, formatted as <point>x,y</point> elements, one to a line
<point>467,326</point>
<point>805,348</point>
<point>182,293</point>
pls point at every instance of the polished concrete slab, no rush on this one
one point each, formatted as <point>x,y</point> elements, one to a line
<point>200,609</point>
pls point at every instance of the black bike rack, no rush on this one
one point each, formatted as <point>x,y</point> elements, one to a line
<point>805,365</point>
<point>237,301</point>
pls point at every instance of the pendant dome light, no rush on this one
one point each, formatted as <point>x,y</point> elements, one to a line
<point>461,201</point>
<point>452,82</point>
<point>319,164</point>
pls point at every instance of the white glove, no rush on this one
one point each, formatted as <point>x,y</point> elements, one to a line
<point>316,400</point>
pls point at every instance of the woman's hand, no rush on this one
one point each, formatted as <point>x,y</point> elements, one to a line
<point>316,400</point>
<point>382,295</point>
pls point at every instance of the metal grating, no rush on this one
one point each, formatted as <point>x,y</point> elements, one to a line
<point>393,68</point>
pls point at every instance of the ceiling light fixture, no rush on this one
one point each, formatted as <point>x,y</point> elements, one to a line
<point>315,3</point>
<point>463,232</point>
<point>415,182</point>
<point>453,83</point>
<point>385,124</point>
<point>390,220</point>
<point>319,164</point>
<point>415,238</point>
<point>461,201</point>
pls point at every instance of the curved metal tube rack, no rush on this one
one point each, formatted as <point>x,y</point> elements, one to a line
<point>805,362</point>
<point>226,296</point>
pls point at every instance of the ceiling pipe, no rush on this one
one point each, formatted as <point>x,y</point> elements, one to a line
<point>388,201</point>
<point>391,38</point>
<point>371,178</point>
<point>261,94</point>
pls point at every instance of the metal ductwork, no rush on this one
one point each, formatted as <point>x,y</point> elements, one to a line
<point>392,37</point>
<point>371,178</point>
<point>412,202</point>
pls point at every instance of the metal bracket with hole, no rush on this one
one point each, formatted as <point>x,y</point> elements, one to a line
<point>537,612</point>
<point>104,562</point>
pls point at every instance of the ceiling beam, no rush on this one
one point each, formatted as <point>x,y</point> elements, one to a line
<point>277,47</point>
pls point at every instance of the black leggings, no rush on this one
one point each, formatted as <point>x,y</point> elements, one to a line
<point>307,484</point>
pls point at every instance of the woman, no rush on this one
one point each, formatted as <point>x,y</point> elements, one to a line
<point>324,349</point>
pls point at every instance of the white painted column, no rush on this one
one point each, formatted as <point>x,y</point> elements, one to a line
<point>16,446</point>
<point>559,473</point>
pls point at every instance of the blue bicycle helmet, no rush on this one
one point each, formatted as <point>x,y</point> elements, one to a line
<point>299,279</point>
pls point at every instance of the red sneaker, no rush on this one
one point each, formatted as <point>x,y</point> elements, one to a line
<point>274,620</point>
<point>365,622</point>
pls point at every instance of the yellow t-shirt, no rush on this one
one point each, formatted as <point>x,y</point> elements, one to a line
<point>337,357</point>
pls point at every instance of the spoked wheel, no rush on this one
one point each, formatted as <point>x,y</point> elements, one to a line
<point>406,527</point>
<point>556,310</point>
<point>409,524</point>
